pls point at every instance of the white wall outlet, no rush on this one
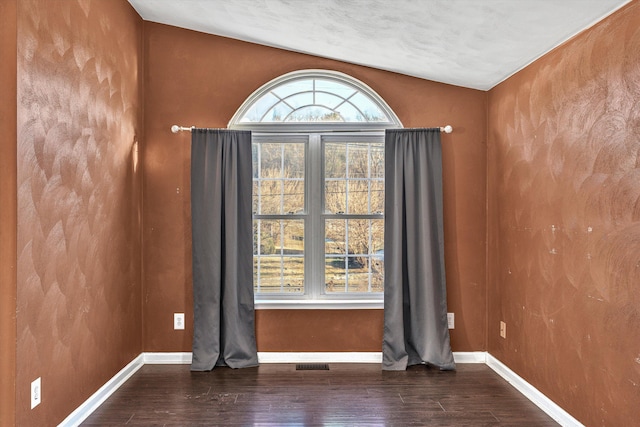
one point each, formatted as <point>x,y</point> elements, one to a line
<point>178,320</point>
<point>36,392</point>
<point>503,329</point>
<point>451,320</point>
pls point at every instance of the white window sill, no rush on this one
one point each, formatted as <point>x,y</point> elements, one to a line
<point>318,304</point>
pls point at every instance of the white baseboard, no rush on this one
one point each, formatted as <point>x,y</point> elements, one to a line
<point>320,357</point>
<point>470,356</point>
<point>98,398</point>
<point>561,416</point>
<point>354,357</point>
<point>309,357</point>
<point>167,358</point>
<point>530,392</point>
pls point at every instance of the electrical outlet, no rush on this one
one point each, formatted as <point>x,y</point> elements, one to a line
<point>36,392</point>
<point>451,320</point>
<point>503,329</point>
<point>178,320</point>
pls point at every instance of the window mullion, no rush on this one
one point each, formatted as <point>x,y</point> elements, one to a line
<point>281,255</point>
<point>257,255</point>
<point>369,178</point>
<point>369,222</point>
<point>369,260</point>
<point>347,209</point>
<point>315,241</point>
<point>346,259</point>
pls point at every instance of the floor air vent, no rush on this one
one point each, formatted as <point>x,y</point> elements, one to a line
<point>312,367</point>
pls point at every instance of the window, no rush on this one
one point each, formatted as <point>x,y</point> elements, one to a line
<point>318,188</point>
<point>352,215</point>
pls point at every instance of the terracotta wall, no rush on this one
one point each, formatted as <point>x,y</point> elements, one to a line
<point>563,204</point>
<point>197,79</point>
<point>8,210</point>
<point>78,192</point>
<point>564,222</point>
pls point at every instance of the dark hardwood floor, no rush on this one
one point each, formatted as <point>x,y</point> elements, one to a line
<point>344,395</point>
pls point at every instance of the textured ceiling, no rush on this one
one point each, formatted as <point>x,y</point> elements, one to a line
<point>470,43</point>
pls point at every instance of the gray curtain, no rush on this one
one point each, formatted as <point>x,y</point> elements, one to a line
<point>415,298</point>
<point>223,311</point>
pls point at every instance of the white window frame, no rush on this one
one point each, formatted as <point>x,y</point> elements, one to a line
<point>314,297</point>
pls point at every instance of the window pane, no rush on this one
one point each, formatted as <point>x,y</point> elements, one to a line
<point>281,275</point>
<point>293,241</point>
<point>377,197</point>
<point>277,113</point>
<point>377,271</point>
<point>267,237</point>
<point>270,197</point>
<point>340,89</point>
<point>314,114</point>
<point>353,275</point>
<point>360,267</point>
<point>334,275</point>
<point>258,109</point>
<point>335,196</point>
<point>267,274</point>
<point>346,274</point>
<point>370,110</point>
<point>277,274</point>
<point>359,233</point>
<point>350,113</point>
<point>270,160</point>
<point>335,165</point>
<point>292,274</point>
<point>363,192</point>
<point>279,171</point>
<point>300,100</point>
<point>358,278</point>
<point>278,237</point>
<point>358,160</point>
<point>328,100</point>
<point>293,160</point>
<point>293,196</point>
<point>295,86</point>
<point>335,236</point>
<point>377,238</point>
<point>377,160</point>
<point>278,256</point>
<point>358,197</point>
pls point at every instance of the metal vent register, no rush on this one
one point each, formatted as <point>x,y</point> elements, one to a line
<point>312,367</point>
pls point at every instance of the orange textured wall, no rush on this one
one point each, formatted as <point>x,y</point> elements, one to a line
<point>564,222</point>
<point>197,79</point>
<point>8,211</point>
<point>78,196</point>
<point>319,330</point>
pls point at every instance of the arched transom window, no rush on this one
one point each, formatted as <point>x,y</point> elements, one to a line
<point>315,97</point>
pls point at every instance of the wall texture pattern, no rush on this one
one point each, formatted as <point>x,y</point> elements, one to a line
<point>79,281</point>
<point>199,79</point>
<point>564,222</point>
<point>8,211</point>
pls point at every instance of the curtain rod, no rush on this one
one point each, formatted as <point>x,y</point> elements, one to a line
<point>176,128</point>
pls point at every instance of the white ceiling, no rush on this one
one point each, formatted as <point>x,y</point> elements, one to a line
<point>470,43</point>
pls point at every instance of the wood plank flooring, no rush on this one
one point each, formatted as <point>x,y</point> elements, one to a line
<point>345,395</point>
